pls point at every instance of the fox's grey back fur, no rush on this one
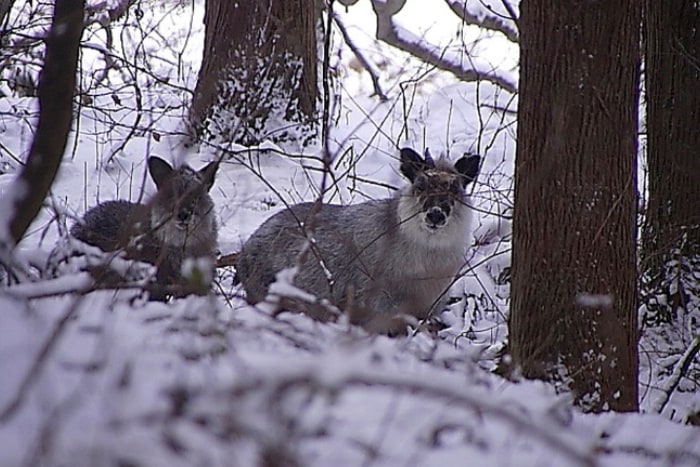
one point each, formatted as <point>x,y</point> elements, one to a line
<point>177,223</point>
<point>385,258</point>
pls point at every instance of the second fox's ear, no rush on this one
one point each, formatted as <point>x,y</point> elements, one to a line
<point>208,174</point>
<point>159,169</point>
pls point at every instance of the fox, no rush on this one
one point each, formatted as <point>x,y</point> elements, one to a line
<point>382,262</point>
<point>177,223</point>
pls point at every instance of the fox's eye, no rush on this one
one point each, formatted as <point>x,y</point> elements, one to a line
<point>455,188</point>
<point>420,185</point>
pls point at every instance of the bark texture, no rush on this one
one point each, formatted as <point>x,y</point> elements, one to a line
<point>573,310</point>
<point>671,233</point>
<point>258,78</point>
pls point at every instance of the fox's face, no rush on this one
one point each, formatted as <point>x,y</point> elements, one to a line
<point>182,210</point>
<point>436,194</point>
<point>437,191</point>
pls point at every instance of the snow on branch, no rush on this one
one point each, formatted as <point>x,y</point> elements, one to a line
<point>392,34</point>
<point>107,11</point>
<point>326,376</point>
<point>679,371</point>
<point>485,15</point>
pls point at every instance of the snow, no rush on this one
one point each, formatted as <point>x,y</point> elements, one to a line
<point>589,300</point>
<point>104,377</point>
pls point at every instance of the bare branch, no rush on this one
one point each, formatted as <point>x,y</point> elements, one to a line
<point>360,56</point>
<point>38,363</point>
<point>56,88</point>
<point>511,11</point>
<point>492,21</point>
<point>680,370</point>
<point>387,32</point>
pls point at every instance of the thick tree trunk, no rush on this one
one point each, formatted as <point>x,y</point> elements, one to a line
<point>671,253</point>
<point>258,78</point>
<point>573,311</point>
<point>56,87</point>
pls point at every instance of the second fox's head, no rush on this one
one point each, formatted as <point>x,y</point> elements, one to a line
<point>182,210</point>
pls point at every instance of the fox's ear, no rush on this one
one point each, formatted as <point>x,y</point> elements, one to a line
<point>208,174</point>
<point>468,168</point>
<point>159,169</point>
<point>412,163</point>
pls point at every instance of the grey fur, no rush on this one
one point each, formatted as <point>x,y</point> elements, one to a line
<point>176,224</point>
<point>386,258</point>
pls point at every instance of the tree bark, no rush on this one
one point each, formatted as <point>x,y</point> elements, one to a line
<point>56,88</point>
<point>5,6</point>
<point>258,78</point>
<point>573,310</point>
<point>671,248</point>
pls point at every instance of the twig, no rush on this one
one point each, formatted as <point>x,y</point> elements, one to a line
<point>360,56</point>
<point>386,31</point>
<point>42,357</point>
<point>680,370</point>
<point>511,11</point>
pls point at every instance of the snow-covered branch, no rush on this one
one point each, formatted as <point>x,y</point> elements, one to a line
<point>679,371</point>
<point>393,34</point>
<point>330,378</point>
<point>106,12</point>
<point>487,16</point>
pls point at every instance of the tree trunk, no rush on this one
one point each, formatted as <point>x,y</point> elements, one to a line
<point>5,6</point>
<point>56,87</point>
<point>573,310</point>
<point>258,78</point>
<point>671,253</point>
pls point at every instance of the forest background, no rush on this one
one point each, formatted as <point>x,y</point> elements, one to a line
<point>578,303</point>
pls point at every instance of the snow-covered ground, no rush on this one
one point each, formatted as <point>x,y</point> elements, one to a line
<point>106,378</point>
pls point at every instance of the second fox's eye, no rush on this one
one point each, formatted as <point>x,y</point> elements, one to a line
<point>420,185</point>
<point>455,187</point>
<point>183,215</point>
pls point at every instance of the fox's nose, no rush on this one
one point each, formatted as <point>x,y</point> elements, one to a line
<point>183,216</point>
<point>435,217</point>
